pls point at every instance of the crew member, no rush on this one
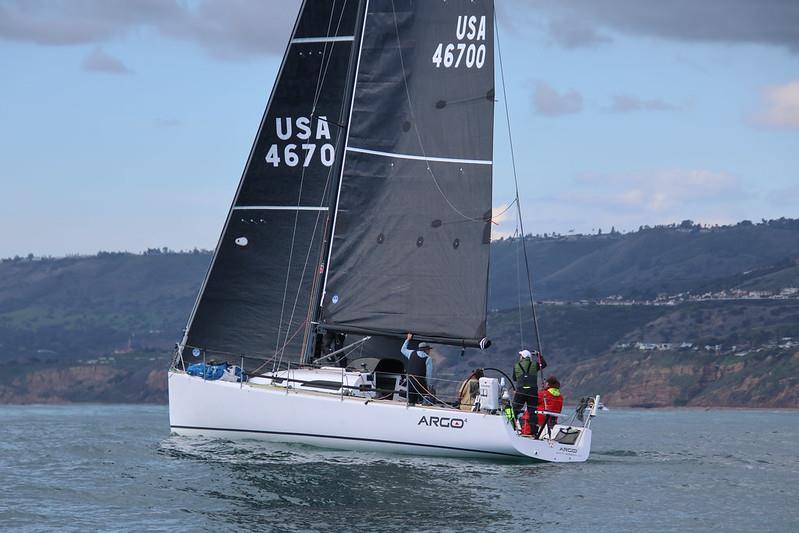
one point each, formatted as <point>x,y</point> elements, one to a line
<point>327,343</point>
<point>550,400</point>
<point>525,373</point>
<point>419,369</point>
<point>469,390</point>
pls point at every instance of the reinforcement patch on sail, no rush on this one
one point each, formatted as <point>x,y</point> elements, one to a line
<point>256,297</point>
<point>412,230</point>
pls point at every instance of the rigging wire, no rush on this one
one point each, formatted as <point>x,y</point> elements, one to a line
<point>504,210</point>
<point>518,292</point>
<point>324,197</point>
<point>416,127</point>
<point>493,219</point>
<point>317,94</point>
<point>518,202</point>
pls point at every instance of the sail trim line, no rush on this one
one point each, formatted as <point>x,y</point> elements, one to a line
<point>343,38</point>
<point>421,157</point>
<point>280,208</point>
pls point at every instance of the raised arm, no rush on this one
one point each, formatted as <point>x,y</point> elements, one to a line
<point>542,362</point>
<point>405,351</point>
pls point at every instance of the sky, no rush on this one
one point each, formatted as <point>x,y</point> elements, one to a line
<point>125,124</point>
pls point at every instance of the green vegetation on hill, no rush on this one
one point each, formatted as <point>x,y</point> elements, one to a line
<point>100,328</point>
<point>77,306</point>
<point>670,259</point>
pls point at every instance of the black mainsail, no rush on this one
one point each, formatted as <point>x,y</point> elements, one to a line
<point>365,204</point>
<point>411,233</point>
<point>259,289</point>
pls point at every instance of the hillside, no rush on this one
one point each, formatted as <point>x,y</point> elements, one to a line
<point>645,263</point>
<point>83,306</point>
<point>696,353</point>
<point>100,328</point>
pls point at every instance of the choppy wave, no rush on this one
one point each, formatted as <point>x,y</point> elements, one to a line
<point>116,467</point>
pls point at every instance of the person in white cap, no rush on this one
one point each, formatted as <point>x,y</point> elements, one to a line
<point>419,369</point>
<point>525,373</point>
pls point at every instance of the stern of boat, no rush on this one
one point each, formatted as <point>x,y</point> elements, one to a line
<point>563,443</point>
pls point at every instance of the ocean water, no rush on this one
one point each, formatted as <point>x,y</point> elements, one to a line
<point>115,467</point>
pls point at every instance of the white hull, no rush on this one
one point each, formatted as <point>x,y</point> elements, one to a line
<point>282,414</point>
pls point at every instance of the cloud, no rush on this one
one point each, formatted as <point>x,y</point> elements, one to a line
<point>240,28</point>
<point>627,201</point>
<point>626,104</point>
<point>771,22</point>
<point>780,106</point>
<point>655,191</point>
<point>227,29</point>
<point>79,21</point>
<point>574,34</point>
<point>99,61</point>
<point>503,218</point>
<point>548,102</point>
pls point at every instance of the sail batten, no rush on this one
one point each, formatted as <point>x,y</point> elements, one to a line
<point>280,208</point>
<point>420,157</point>
<point>323,39</point>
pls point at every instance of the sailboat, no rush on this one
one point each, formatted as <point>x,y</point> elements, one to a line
<point>363,213</point>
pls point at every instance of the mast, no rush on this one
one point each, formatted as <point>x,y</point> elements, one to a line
<point>315,309</point>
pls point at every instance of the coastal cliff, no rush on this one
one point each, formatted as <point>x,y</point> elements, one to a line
<point>48,384</point>
<point>677,315</point>
<point>633,381</point>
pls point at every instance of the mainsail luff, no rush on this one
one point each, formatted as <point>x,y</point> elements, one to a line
<point>315,309</point>
<point>256,293</point>
<point>412,230</point>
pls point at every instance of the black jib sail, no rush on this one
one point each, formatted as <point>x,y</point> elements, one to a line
<point>411,232</point>
<point>256,297</point>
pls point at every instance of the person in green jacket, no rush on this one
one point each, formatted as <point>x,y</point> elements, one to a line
<point>525,373</point>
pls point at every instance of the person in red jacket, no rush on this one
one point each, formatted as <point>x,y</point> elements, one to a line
<point>550,400</point>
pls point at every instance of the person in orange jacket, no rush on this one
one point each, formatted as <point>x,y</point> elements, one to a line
<point>550,399</point>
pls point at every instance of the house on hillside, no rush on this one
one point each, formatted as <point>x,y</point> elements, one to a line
<point>655,346</point>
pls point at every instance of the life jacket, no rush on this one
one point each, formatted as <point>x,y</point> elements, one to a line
<point>526,375</point>
<point>549,400</point>
<point>417,365</point>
